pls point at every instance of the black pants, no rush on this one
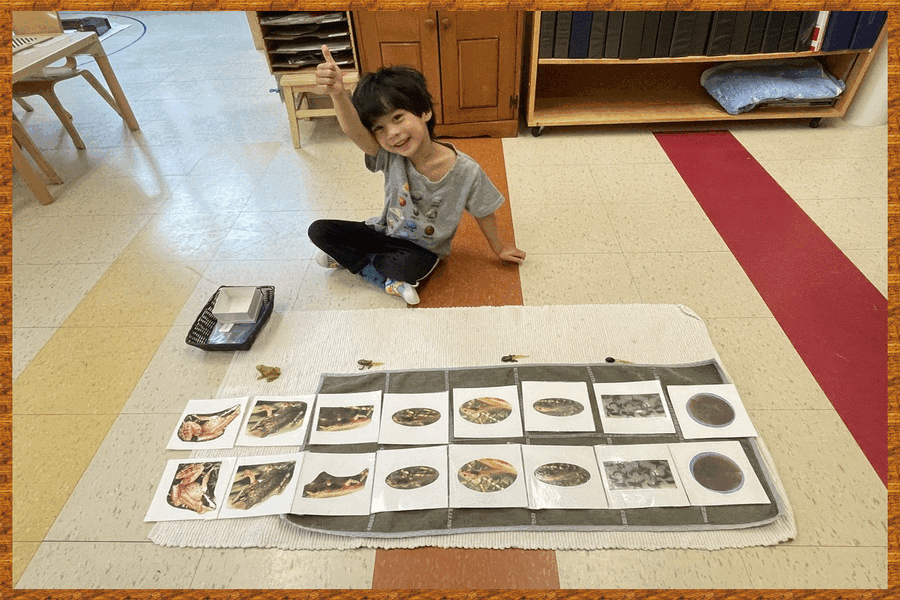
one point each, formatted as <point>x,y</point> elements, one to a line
<point>354,244</point>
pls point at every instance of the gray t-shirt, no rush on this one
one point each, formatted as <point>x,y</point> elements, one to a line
<point>428,212</point>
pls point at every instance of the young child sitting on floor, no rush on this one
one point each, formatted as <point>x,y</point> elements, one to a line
<point>427,184</point>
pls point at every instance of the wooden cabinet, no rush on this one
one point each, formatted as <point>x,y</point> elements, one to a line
<point>471,60</point>
<point>581,91</point>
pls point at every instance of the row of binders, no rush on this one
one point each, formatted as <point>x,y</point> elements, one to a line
<point>661,34</point>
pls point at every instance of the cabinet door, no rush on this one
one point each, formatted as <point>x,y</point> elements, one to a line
<point>409,38</point>
<point>479,62</point>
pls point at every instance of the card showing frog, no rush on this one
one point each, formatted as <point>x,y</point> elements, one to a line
<point>563,477</point>
<point>334,484</point>
<point>351,418</point>
<point>209,424</point>
<point>415,419</point>
<point>277,421</point>
<point>262,485</point>
<point>487,476</point>
<point>640,476</point>
<point>191,489</point>
<point>410,479</point>
<point>562,406</point>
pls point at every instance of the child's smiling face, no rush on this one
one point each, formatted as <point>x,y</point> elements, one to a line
<point>401,131</point>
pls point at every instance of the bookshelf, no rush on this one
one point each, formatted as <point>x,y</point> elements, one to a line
<point>608,91</point>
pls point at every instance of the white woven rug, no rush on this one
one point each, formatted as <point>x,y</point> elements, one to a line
<point>309,343</point>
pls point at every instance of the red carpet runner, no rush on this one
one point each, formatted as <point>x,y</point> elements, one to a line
<point>835,318</point>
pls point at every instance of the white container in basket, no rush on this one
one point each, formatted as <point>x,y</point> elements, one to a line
<point>238,304</point>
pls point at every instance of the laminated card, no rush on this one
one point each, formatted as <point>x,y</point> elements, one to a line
<point>346,418</point>
<point>633,407</point>
<point>640,475</point>
<point>276,421</point>
<point>562,406</point>
<point>415,419</point>
<point>410,479</point>
<point>334,484</point>
<point>191,489</point>
<point>262,485</point>
<point>487,476</point>
<point>488,412</point>
<point>716,473</point>
<point>710,411</point>
<point>563,477</point>
<point>209,424</point>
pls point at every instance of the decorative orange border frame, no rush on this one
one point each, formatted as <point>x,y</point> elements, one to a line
<point>893,25</point>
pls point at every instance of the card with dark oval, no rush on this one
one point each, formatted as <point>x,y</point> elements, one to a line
<point>410,479</point>
<point>717,472</point>
<point>563,406</point>
<point>710,411</point>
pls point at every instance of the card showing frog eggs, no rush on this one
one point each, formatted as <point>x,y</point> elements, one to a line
<point>346,418</point>
<point>276,421</point>
<point>209,424</point>
<point>191,489</point>
<point>717,473</point>
<point>557,406</point>
<point>640,476</point>
<point>487,476</point>
<point>415,419</point>
<point>633,407</point>
<point>487,412</point>
<point>410,479</point>
<point>262,485</point>
<point>563,477</point>
<point>710,411</point>
<point>334,484</point>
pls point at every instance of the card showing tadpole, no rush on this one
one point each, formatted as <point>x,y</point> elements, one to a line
<point>191,488</point>
<point>334,484</point>
<point>487,412</point>
<point>209,424</point>
<point>410,479</point>
<point>415,419</point>
<point>562,406</point>
<point>262,485</point>
<point>487,476</point>
<point>277,421</point>
<point>633,407</point>
<point>563,477</point>
<point>352,418</point>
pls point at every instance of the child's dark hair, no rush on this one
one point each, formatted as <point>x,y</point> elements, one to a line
<point>389,89</point>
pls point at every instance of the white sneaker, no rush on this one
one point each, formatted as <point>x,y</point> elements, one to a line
<point>402,289</point>
<point>326,261</point>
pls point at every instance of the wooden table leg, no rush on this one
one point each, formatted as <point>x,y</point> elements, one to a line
<point>32,179</point>
<point>113,84</point>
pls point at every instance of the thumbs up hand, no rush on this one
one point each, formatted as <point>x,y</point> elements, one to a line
<point>328,74</point>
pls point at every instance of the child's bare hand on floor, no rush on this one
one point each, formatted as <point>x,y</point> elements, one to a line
<point>328,74</point>
<point>512,254</point>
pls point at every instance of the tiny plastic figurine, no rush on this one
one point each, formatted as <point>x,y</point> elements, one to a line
<point>270,374</point>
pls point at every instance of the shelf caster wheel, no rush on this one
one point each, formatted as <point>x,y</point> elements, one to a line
<point>814,123</point>
<point>537,131</point>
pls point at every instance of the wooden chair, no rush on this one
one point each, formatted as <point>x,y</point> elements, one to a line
<point>41,84</point>
<point>297,88</point>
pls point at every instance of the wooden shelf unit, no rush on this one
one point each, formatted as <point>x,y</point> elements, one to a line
<point>608,91</point>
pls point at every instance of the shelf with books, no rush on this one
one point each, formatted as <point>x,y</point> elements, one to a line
<point>592,91</point>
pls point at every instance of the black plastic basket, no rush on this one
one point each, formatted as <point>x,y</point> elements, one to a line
<point>242,335</point>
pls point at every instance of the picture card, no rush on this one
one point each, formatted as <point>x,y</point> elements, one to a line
<point>710,411</point>
<point>191,489</point>
<point>563,477</point>
<point>346,418</point>
<point>209,424</point>
<point>487,476</point>
<point>277,421</point>
<point>640,476</point>
<point>262,485</point>
<point>562,406</point>
<point>415,419</point>
<point>410,479</point>
<point>487,412</point>
<point>717,473</point>
<point>334,484</point>
<point>633,407</point>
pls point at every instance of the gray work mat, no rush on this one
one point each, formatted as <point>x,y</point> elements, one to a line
<point>308,344</point>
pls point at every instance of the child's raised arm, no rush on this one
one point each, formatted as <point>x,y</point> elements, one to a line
<point>328,75</point>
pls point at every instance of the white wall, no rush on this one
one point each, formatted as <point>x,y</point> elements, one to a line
<point>869,106</point>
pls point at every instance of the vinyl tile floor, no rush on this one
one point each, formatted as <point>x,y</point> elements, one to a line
<point>108,279</point>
